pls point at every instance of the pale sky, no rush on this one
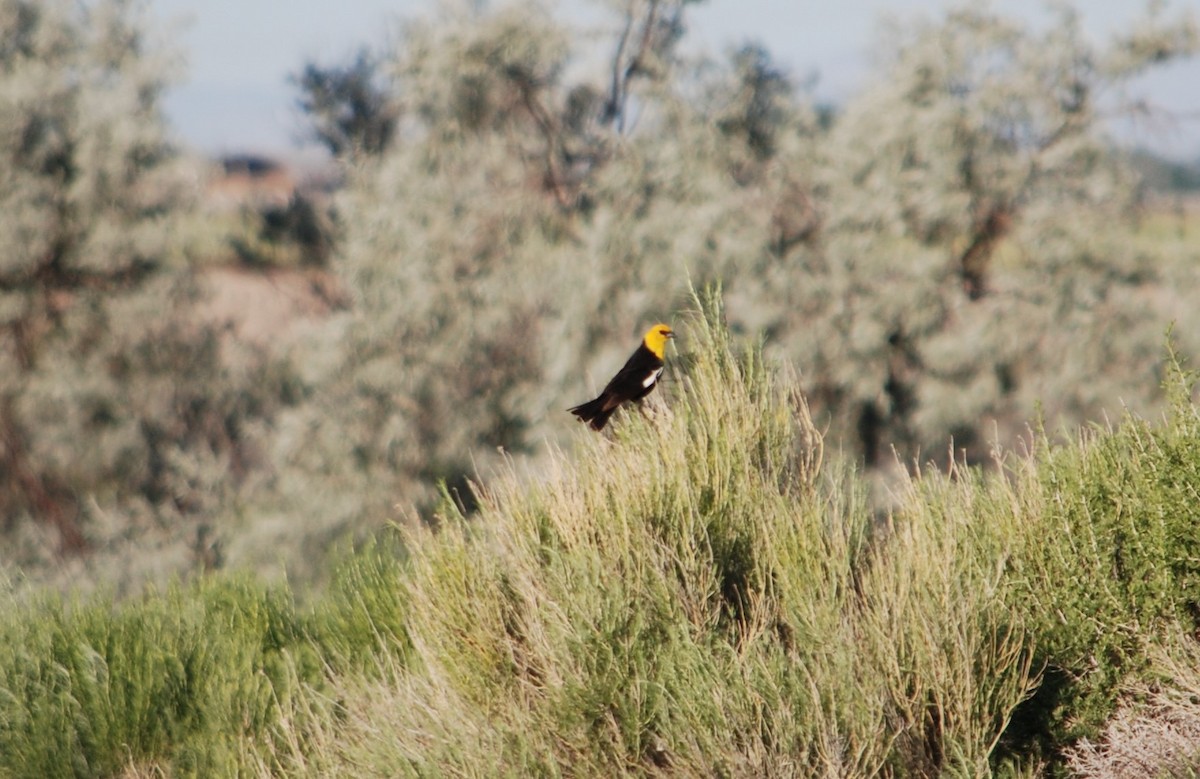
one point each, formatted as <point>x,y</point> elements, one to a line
<point>235,96</point>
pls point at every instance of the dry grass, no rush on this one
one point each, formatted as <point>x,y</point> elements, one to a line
<point>1157,732</point>
<point>698,596</point>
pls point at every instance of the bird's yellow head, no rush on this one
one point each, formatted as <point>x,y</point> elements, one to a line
<point>656,339</point>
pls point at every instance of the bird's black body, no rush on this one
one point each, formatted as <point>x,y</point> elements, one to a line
<point>633,382</point>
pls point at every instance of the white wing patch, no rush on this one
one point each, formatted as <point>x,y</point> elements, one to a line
<point>653,377</point>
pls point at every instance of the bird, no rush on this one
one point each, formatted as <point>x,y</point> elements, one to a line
<point>633,382</point>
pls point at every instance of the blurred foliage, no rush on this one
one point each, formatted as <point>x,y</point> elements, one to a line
<point>121,411</point>
<point>300,234</point>
<point>952,253</point>
<point>985,136</point>
<point>350,111</point>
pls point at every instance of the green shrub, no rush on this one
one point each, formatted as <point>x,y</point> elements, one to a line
<point>363,614</point>
<point>1114,567</point>
<point>697,594</point>
<point>179,677</point>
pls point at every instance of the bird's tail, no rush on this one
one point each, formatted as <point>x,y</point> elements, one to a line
<point>594,413</point>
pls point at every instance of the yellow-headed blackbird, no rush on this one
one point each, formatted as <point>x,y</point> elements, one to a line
<point>633,382</point>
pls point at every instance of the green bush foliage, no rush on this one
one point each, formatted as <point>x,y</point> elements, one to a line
<point>1120,511</point>
<point>183,677</point>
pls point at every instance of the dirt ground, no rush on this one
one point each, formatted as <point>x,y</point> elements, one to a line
<point>273,307</point>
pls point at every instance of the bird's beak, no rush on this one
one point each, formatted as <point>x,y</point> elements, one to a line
<point>670,335</point>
